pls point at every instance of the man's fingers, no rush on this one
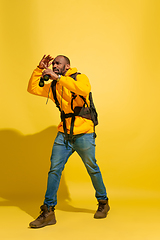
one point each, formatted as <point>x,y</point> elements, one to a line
<point>45,62</point>
<point>50,62</point>
<point>48,57</point>
<point>43,57</point>
<point>43,73</point>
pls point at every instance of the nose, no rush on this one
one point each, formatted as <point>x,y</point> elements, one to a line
<point>54,65</point>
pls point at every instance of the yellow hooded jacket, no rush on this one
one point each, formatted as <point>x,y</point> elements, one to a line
<point>64,86</point>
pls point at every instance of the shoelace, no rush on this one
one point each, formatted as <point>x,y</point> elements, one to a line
<point>42,214</point>
<point>100,207</point>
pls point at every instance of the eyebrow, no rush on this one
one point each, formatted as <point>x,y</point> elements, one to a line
<point>56,62</point>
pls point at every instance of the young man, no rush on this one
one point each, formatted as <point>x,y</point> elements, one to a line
<point>75,131</point>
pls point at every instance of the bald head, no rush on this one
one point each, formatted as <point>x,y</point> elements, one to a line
<point>66,58</point>
<point>61,65</point>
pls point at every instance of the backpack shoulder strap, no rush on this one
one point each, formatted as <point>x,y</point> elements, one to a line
<point>73,94</point>
<point>53,86</point>
<point>92,109</point>
<point>74,75</point>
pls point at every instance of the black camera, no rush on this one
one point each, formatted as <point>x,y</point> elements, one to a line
<point>42,79</point>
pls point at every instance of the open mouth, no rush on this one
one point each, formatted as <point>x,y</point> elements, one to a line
<point>56,70</point>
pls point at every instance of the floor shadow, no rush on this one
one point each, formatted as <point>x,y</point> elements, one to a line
<point>24,165</point>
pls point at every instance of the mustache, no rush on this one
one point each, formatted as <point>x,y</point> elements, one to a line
<point>55,69</point>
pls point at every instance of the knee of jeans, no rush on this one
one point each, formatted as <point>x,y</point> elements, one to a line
<point>92,168</point>
<point>56,172</point>
<point>58,168</point>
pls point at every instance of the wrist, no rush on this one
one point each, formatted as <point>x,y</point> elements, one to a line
<point>59,76</point>
<point>40,67</point>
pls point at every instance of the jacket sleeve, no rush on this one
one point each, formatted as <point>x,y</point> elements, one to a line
<point>33,85</point>
<point>80,87</point>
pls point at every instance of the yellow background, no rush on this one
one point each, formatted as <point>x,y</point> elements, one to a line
<point>116,44</point>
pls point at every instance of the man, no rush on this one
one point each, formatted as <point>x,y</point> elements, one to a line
<point>75,131</point>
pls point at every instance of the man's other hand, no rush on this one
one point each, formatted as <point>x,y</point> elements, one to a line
<point>49,72</point>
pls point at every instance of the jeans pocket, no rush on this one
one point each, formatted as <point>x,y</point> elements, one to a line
<point>59,139</point>
<point>91,138</point>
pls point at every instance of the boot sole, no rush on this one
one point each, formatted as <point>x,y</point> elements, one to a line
<point>43,225</point>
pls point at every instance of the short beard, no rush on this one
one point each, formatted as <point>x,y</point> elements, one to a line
<point>63,71</point>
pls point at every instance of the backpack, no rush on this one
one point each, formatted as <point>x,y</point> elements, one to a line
<point>88,112</point>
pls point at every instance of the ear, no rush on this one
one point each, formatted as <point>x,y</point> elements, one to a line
<point>67,66</point>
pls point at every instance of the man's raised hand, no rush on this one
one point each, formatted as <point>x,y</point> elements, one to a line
<point>45,62</point>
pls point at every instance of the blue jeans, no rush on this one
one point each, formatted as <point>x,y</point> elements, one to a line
<point>84,145</point>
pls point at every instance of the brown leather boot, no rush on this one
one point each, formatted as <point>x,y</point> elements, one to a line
<point>102,210</point>
<point>45,218</point>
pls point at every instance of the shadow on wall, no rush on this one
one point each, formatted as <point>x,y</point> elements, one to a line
<point>24,166</point>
